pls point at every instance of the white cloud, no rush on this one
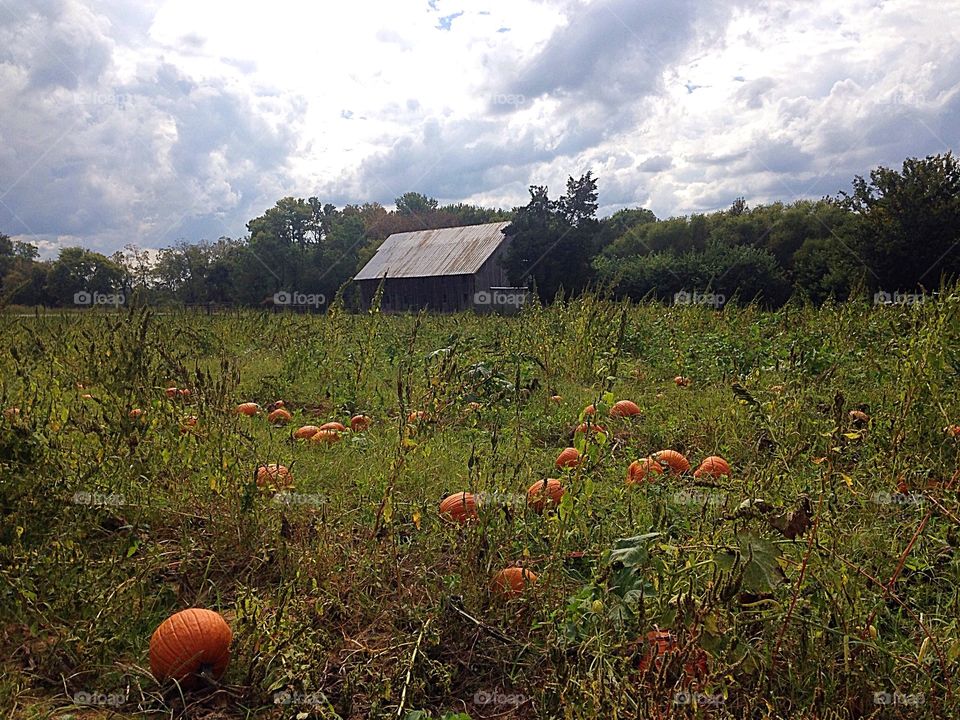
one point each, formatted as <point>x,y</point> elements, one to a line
<point>177,119</point>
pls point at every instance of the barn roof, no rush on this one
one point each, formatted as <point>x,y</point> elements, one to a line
<point>426,253</point>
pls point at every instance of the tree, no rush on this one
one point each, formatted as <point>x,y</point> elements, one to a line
<point>910,223</point>
<point>77,270</point>
<point>413,203</point>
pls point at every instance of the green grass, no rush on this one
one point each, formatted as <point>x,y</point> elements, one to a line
<point>353,599</point>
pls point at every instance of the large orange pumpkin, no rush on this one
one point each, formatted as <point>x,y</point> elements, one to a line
<point>512,581</point>
<point>325,436</point>
<point>672,459</point>
<point>460,508</point>
<point>248,408</point>
<point>189,643</point>
<point>641,470</point>
<point>170,392</point>
<point>544,492</point>
<point>306,432</point>
<point>279,417</point>
<point>274,476</point>
<point>624,408</point>
<point>714,466</point>
<point>359,423</point>
<point>339,427</point>
<point>590,410</point>
<point>659,643</point>
<point>569,457</point>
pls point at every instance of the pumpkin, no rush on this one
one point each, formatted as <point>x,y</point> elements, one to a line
<point>359,423</point>
<point>87,396</point>
<point>183,392</point>
<point>952,430</point>
<point>135,413</point>
<point>274,475</point>
<point>556,399</point>
<point>672,459</point>
<point>170,392</point>
<point>589,410</point>
<point>859,416</point>
<point>681,381</point>
<point>459,508</point>
<point>189,643</point>
<point>640,470</point>
<point>512,581</point>
<point>583,427</point>
<point>569,457</point>
<point>416,416</point>
<point>659,643</point>
<point>248,408</point>
<point>188,422</point>
<point>333,426</point>
<point>306,432</point>
<point>325,436</point>
<point>279,417</point>
<point>11,413</point>
<point>715,466</point>
<point>624,408</point>
<point>475,406</point>
<point>279,404</point>
<point>544,492</point>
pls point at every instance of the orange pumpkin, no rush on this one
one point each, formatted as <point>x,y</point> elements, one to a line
<point>188,422</point>
<point>274,476</point>
<point>306,432</point>
<point>569,457</point>
<point>659,643</point>
<point>359,423</point>
<point>641,470</point>
<point>135,413</point>
<point>279,404</point>
<point>417,416</point>
<point>859,416</point>
<point>189,643</point>
<point>556,399</point>
<point>952,430</point>
<point>511,582</point>
<point>87,396</point>
<point>248,408</point>
<point>672,459</point>
<point>624,408</point>
<point>183,392</point>
<point>325,436</point>
<point>544,492</point>
<point>589,410</point>
<point>459,508</point>
<point>333,426</point>
<point>170,392</point>
<point>681,381</point>
<point>715,466</point>
<point>583,427</point>
<point>279,417</point>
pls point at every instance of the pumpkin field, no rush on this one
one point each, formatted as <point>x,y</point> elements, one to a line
<point>592,509</point>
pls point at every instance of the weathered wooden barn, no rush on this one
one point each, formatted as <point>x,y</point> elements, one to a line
<point>443,270</point>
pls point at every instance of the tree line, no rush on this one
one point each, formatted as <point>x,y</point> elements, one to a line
<point>894,231</point>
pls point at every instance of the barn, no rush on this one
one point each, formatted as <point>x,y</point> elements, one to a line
<point>443,270</point>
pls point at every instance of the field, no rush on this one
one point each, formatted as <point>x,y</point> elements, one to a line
<point>819,579</point>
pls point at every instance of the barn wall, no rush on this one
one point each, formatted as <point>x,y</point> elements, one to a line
<point>444,293</point>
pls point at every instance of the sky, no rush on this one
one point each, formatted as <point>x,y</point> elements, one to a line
<point>157,121</point>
